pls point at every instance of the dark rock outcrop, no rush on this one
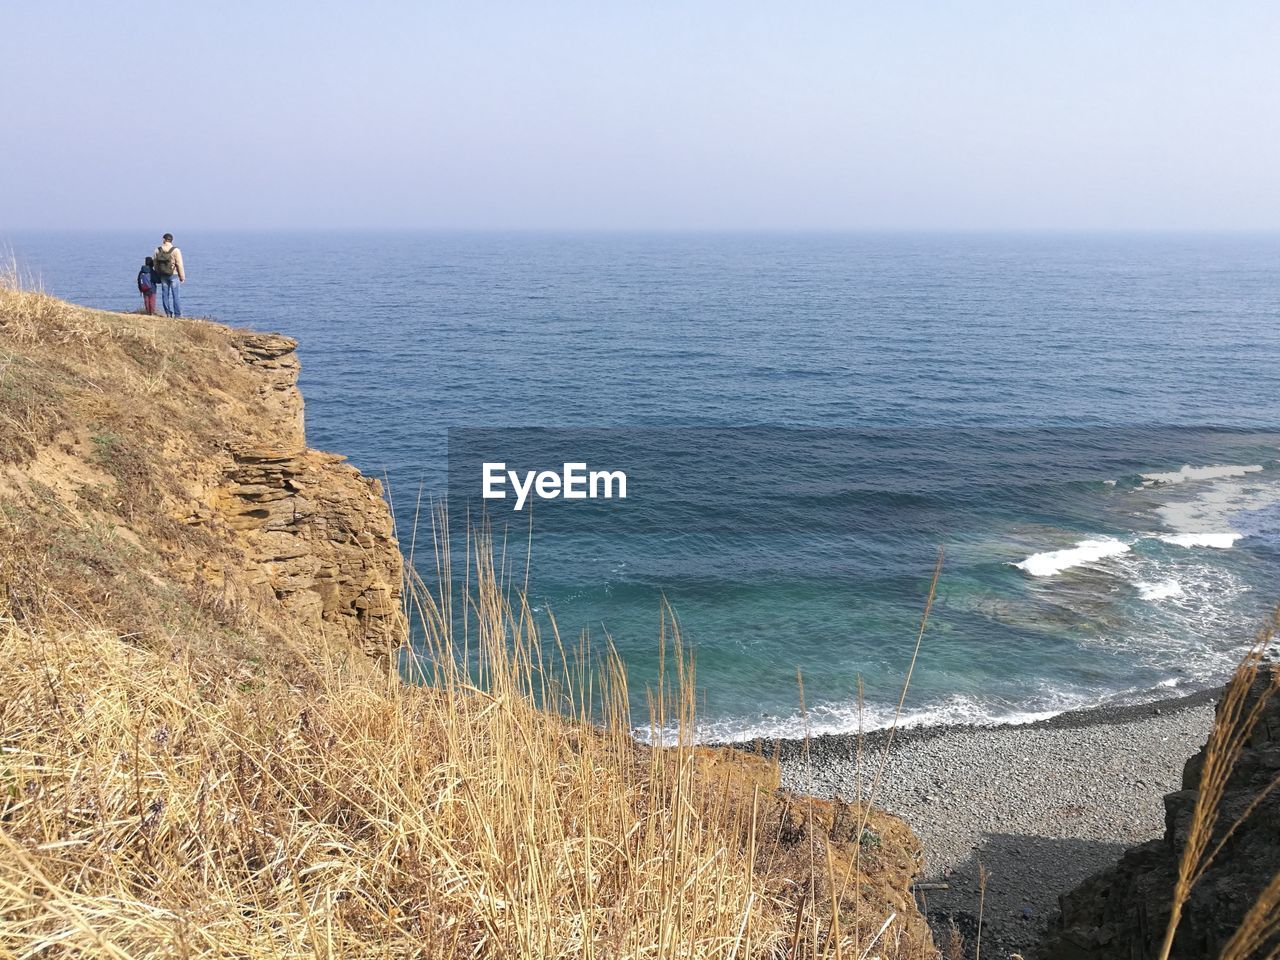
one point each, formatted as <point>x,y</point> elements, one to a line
<point>1122,913</point>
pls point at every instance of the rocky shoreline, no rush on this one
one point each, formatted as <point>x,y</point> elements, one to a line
<point>1040,807</point>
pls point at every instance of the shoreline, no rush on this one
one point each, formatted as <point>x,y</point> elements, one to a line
<point>1039,807</point>
<point>791,749</point>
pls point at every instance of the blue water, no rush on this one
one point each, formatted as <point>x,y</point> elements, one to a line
<point>1004,397</point>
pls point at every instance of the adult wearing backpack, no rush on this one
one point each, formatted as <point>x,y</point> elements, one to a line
<point>166,267</point>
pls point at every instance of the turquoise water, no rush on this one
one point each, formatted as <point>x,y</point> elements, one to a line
<point>1014,399</point>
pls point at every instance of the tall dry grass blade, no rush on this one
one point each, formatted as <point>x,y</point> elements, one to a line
<point>982,902</point>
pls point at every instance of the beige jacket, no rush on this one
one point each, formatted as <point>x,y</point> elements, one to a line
<point>177,259</point>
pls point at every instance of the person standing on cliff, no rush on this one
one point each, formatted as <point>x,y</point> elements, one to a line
<point>166,265</point>
<point>147,286</point>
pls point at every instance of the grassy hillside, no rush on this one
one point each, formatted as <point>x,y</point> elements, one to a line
<point>193,763</point>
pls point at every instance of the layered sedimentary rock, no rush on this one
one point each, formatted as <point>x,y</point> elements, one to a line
<point>317,532</point>
<point>1122,913</point>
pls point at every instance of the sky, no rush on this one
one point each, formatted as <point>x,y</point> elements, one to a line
<point>655,115</point>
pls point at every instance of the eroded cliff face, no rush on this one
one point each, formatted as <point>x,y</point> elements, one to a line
<point>317,533</point>
<point>157,472</point>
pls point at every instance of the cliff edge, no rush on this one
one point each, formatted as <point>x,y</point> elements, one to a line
<point>154,470</point>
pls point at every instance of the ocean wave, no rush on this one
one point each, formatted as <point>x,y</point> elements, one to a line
<point>1242,507</point>
<point>1053,562</point>
<point>957,710</point>
<point>1214,472</point>
<point>838,719</point>
<point>1159,590</point>
<point>1220,541</point>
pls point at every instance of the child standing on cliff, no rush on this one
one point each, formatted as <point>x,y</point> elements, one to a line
<point>147,287</point>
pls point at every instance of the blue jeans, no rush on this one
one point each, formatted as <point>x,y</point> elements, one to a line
<point>169,296</point>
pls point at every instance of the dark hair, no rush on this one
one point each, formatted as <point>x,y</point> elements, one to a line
<point>168,237</point>
<point>149,262</point>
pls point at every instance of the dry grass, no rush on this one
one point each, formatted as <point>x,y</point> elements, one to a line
<point>112,427</point>
<point>155,804</point>
<point>29,315</point>
<point>63,365</point>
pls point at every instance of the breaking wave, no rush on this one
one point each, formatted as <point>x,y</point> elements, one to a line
<point>1053,562</point>
<point>1160,590</point>
<point>1188,472</point>
<point>837,719</point>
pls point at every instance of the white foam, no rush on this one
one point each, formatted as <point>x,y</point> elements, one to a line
<point>1086,551</point>
<point>1228,506</point>
<point>1214,472</point>
<point>847,718</point>
<point>1219,541</point>
<point>1161,590</point>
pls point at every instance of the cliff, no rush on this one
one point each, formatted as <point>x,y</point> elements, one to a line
<point>155,470</point>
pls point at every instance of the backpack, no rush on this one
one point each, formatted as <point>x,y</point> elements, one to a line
<point>162,262</point>
<point>144,280</point>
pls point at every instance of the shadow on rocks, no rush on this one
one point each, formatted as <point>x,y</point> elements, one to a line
<point>1025,875</point>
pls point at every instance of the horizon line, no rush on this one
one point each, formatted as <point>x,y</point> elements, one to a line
<point>815,231</point>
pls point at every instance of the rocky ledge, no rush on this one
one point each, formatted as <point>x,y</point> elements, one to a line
<point>157,473</point>
<point>317,534</point>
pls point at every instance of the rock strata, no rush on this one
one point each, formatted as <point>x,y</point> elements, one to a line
<point>316,533</point>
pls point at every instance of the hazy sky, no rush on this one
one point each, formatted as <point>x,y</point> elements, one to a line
<point>655,114</point>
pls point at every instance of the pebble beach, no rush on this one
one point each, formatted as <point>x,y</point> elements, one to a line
<point>1040,806</point>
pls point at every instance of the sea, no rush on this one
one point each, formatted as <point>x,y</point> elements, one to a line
<point>1086,429</point>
